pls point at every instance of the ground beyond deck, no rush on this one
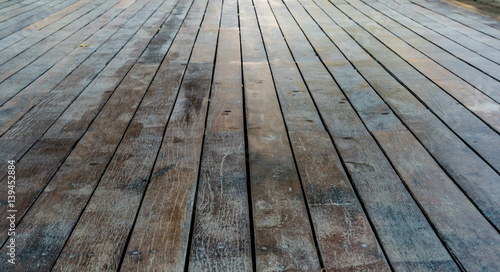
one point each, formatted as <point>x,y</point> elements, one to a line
<point>249,135</point>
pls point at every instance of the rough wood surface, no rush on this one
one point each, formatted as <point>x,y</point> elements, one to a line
<point>221,234</point>
<point>250,135</point>
<point>160,237</point>
<point>61,206</point>
<point>347,244</point>
<point>372,175</point>
<point>283,237</point>
<point>479,72</point>
<point>428,129</point>
<point>105,43</point>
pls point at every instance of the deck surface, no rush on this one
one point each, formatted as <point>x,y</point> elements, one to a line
<point>249,135</point>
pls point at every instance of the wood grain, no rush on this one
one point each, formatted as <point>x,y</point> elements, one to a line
<point>283,238</point>
<point>407,238</point>
<point>251,135</point>
<point>160,237</point>
<point>96,146</point>
<point>344,234</point>
<point>105,44</point>
<point>396,96</point>
<point>221,235</point>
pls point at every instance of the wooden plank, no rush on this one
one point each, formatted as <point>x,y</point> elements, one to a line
<point>34,28</point>
<point>481,105</point>
<point>221,234</point>
<point>469,236</point>
<point>27,17</point>
<point>474,45</point>
<point>472,19</point>
<point>59,44</point>
<point>46,156</point>
<point>107,128</point>
<point>57,16</point>
<point>408,239</point>
<point>108,245</point>
<point>283,234</point>
<point>479,72</point>
<point>446,206</point>
<point>345,238</point>
<point>472,33</point>
<point>465,10</point>
<point>7,6</point>
<point>461,121</point>
<point>62,28</point>
<point>440,34</point>
<point>103,45</point>
<point>449,150</point>
<point>16,25</point>
<point>13,14</point>
<point>60,97</point>
<point>166,211</point>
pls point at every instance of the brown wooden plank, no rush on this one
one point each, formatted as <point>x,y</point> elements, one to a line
<point>474,45</point>
<point>472,19</point>
<point>283,234</point>
<point>58,141</point>
<point>105,43</point>
<point>28,17</point>
<point>456,117</point>
<point>481,105</point>
<point>88,252</point>
<point>221,234</point>
<point>40,58</point>
<point>344,235</point>
<point>493,42</point>
<point>449,150</point>
<point>479,72</point>
<point>68,12</point>
<point>160,237</point>
<point>408,239</point>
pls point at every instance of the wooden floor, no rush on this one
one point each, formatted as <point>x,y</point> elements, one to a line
<point>249,135</point>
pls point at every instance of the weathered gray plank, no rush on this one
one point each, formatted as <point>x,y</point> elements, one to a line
<point>34,28</point>
<point>493,42</point>
<point>221,235</point>
<point>15,25</point>
<point>377,117</point>
<point>125,179</point>
<point>479,72</point>
<point>345,238</point>
<point>407,237</point>
<point>456,157</point>
<point>160,237</point>
<point>475,101</point>
<point>82,63</point>
<point>452,34</point>
<point>464,16</point>
<point>283,235</point>
<point>91,154</point>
